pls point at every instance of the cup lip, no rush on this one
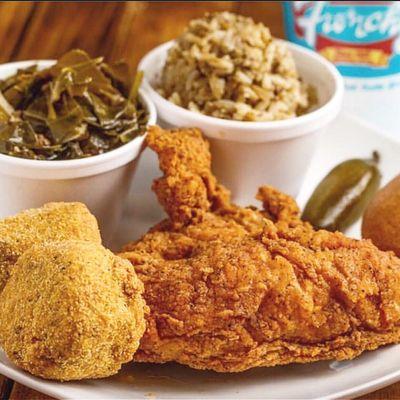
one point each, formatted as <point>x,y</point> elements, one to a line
<point>92,162</point>
<point>325,112</point>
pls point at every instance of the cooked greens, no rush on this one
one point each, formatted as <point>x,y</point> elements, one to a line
<point>80,107</point>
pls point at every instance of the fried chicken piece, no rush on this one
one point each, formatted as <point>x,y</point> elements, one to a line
<point>233,288</point>
<point>52,222</point>
<point>187,188</point>
<point>71,310</point>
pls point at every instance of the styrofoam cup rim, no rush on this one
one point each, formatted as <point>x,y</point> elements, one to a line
<point>66,169</point>
<point>254,131</point>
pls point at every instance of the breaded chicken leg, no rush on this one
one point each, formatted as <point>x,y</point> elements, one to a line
<point>232,288</point>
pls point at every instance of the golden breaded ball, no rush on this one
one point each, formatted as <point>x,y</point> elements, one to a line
<point>71,310</point>
<point>52,222</point>
<point>381,221</point>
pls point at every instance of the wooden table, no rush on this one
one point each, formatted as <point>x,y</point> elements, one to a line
<point>115,30</point>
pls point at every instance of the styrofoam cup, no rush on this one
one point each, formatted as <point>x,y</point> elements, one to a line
<point>101,182</point>
<point>247,155</point>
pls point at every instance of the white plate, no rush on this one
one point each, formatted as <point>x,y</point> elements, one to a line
<point>346,138</point>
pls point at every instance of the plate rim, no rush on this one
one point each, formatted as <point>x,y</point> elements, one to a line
<point>41,385</point>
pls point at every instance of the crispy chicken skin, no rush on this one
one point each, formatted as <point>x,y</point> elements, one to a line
<point>233,288</point>
<point>53,221</point>
<point>71,310</point>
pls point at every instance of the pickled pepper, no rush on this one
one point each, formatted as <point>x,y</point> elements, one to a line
<point>342,196</point>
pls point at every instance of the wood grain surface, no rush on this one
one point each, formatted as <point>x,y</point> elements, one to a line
<point>43,30</point>
<point>115,30</point>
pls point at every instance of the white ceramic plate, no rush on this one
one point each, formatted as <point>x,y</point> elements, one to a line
<point>346,138</point>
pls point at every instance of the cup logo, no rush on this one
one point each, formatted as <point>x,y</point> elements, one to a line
<point>361,37</point>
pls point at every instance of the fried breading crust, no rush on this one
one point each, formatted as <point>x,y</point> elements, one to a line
<point>52,222</point>
<point>71,310</point>
<point>233,288</point>
<point>187,188</point>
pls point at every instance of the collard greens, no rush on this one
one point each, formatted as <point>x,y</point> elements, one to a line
<point>77,108</point>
